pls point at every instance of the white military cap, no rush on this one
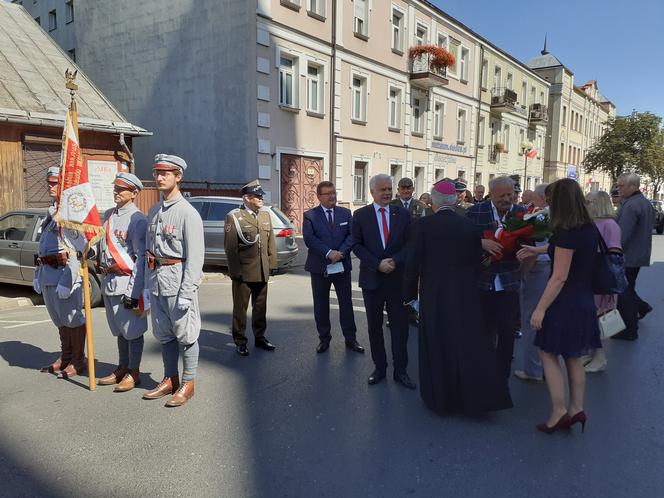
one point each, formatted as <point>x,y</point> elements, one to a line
<point>166,162</point>
<point>127,180</point>
<point>53,171</point>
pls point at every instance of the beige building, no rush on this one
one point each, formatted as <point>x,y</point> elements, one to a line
<point>339,98</point>
<point>577,118</point>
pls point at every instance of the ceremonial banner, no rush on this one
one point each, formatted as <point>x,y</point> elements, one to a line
<point>77,209</point>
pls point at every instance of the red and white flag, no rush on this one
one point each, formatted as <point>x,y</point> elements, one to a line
<point>77,209</point>
<point>532,154</point>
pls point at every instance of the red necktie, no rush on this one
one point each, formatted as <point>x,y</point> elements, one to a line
<point>329,218</point>
<point>386,230</point>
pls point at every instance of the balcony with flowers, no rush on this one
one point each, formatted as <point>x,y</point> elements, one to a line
<point>428,66</point>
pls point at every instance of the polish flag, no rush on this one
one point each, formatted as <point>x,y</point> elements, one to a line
<point>532,154</point>
<point>77,210</point>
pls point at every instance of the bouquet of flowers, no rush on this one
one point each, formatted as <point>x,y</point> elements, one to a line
<point>517,228</point>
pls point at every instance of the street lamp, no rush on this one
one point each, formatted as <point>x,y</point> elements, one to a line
<point>526,147</point>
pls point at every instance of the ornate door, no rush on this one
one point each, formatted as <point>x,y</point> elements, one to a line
<point>299,177</point>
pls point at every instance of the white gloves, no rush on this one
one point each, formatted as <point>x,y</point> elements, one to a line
<point>183,303</point>
<point>63,292</point>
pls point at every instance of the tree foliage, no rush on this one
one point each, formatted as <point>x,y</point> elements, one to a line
<point>625,146</point>
<point>653,165</point>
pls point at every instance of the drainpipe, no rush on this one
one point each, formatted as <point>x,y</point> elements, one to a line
<point>123,144</point>
<point>479,112</point>
<point>333,76</point>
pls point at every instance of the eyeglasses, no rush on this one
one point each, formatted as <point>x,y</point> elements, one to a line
<point>333,192</point>
<point>161,172</point>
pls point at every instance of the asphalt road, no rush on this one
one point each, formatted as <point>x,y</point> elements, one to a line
<point>296,424</point>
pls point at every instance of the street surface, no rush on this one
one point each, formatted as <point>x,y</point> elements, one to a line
<point>296,424</point>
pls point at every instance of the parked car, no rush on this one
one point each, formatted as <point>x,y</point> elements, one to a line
<point>213,210</point>
<point>659,216</point>
<point>20,231</point>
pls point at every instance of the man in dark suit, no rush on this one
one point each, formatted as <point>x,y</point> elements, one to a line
<point>500,282</point>
<point>327,235</point>
<point>379,233</point>
<point>405,199</point>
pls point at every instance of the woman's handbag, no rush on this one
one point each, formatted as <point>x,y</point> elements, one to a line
<point>610,323</point>
<point>609,275</point>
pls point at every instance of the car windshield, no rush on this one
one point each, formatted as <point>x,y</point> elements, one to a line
<point>219,210</point>
<point>281,220</point>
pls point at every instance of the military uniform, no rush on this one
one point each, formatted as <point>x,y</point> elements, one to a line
<point>416,208</point>
<point>174,258</point>
<point>122,262</point>
<point>58,279</point>
<point>251,252</point>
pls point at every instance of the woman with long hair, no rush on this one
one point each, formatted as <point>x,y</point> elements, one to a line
<point>565,317</point>
<point>603,213</point>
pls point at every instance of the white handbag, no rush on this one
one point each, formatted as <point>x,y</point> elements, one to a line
<point>610,323</point>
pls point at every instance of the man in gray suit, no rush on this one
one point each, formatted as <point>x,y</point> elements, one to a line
<point>636,218</point>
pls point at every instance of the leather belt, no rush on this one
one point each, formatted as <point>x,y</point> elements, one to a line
<point>154,261</point>
<point>53,260</point>
<point>114,269</point>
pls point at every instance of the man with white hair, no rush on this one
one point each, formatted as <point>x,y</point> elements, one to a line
<point>636,220</point>
<point>380,233</point>
<point>458,368</point>
<point>501,280</point>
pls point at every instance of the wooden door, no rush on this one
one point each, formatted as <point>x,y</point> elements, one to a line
<point>299,177</point>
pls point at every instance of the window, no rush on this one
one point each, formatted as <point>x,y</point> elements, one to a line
<point>569,154</point>
<point>463,64</point>
<point>217,211</point>
<point>317,7</point>
<point>485,74</point>
<point>443,41</point>
<point>395,173</point>
<point>421,35</point>
<point>419,179</point>
<point>478,178</point>
<point>542,98</point>
<point>506,137</point>
<point>524,93</point>
<point>359,181</point>
<point>480,138</point>
<point>461,125</point>
<point>438,117</point>
<point>397,30</point>
<point>440,174</point>
<point>72,54</point>
<point>564,115</point>
<point>394,109</point>
<point>69,11</point>
<point>562,152</point>
<point>418,121</point>
<point>359,92</point>
<point>522,137</point>
<point>510,81</point>
<point>454,50</point>
<point>532,94</point>
<point>497,79</point>
<point>16,227</point>
<point>287,82</point>
<point>314,89</point>
<point>361,18</point>
<point>52,20</point>
<point>539,146</point>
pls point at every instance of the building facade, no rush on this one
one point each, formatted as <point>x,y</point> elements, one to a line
<point>56,17</point>
<point>577,118</point>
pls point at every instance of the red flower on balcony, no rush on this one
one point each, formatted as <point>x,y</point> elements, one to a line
<point>439,57</point>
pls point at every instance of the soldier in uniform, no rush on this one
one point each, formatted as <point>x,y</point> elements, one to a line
<point>122,261</point>
<point>252,256</point>
<point>405,189</point>
<point>58,279</point>
<point>462,205</point>
<point>174,258</point>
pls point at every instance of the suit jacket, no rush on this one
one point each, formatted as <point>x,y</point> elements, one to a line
<point>636,220</point>
<point>319,239</point>
<point>368,245</point>
<point>416,208</point>
<point>251,262</point>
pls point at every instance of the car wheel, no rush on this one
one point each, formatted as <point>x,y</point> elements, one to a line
<point>95,290</point>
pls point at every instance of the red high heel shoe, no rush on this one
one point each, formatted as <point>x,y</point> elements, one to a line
<point>563,424</point>
<point>579,417</point>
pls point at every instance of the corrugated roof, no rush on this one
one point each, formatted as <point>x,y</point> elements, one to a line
<point>32,82</point>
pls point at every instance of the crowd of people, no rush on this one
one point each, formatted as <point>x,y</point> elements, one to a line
<point>427,261</point>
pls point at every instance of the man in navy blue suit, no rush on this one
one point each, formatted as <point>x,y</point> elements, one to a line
<point>379,235</point>
<point>327,235</point>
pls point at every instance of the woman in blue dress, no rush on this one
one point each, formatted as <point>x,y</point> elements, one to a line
<point>565,317</point>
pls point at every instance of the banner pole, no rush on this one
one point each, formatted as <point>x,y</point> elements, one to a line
<point>89,339</point>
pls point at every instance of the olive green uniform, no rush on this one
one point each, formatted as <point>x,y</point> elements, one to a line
<point>251,255</point>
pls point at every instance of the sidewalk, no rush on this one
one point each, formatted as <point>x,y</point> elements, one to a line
<point>18,296</point>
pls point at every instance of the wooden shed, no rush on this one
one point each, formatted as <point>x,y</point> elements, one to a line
<point>33,105</point>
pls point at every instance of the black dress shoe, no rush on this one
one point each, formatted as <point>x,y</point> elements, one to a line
<point>265,344</point>
<point>376,377</point>
<point>625,336</point>
<point>642,313</point>
<point>322,347</point>
<point>242,350</point>
<point>403,379</point>
<point>353,345</point>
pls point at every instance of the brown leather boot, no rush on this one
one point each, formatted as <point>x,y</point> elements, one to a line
<point>113,378</point>
<point>129,381</point>
<point>78,363</point>
<point>65,354</point>
<point>182,395</point>
<point>167,386</point>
